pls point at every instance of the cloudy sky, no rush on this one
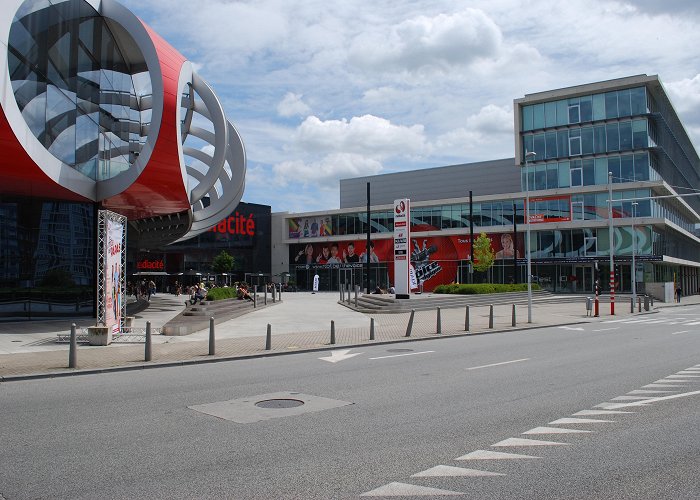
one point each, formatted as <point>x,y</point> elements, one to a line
<point>322,90</point>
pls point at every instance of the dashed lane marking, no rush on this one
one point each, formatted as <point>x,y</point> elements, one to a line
<point>567,421</point>
<point>646,391</point>
<point>527,442</point>
<point>498,364</point>
<point>492,455</point>
<point>555,430</point>
<point>400,355</point>
<point>599,412</point>
<point>407,490</point>
<point>629,398</point>
<point>682,331</point>
<point>450,471</point>
<point>606,329</point>
<point>660,386</point>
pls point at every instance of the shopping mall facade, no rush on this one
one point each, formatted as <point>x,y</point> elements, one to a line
<point>621,136</point>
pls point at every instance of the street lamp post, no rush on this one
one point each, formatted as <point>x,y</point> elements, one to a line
<point>611,234</point>
<point>634,251</point>
<point>528,155</point>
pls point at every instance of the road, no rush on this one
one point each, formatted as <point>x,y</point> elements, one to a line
<point>379,421</point>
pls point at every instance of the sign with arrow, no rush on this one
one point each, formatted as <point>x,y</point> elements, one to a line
<point>339,356</point>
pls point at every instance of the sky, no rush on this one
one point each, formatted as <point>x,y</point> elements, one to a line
<point>322,90</point>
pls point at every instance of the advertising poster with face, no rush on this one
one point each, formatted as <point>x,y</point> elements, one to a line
<point>113,273</point>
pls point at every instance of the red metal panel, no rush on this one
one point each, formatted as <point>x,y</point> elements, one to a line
<point>160,189</point>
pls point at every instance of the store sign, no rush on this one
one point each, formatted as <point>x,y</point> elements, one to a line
<point>150,265</point>
<point>402,237</point>
<point>236,224</point>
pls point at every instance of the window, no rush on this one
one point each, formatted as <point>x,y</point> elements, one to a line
<point>550,114</point>
<point>562,113</point>
<point>611,105</point>
<point>574,142</point>
<point>552,176</point>
<point>588,172</point>
<point>586,109</point>
<point>551,145</point>
<point>527,118</point>
<point>641,167</point>
<point>627,168</point>
<point>563,143</point>
<point>587,140</point>
<point>598,107</point>
<point>625,136</point>
<point>612,136</point>
<point>574,113</point>
<point>614,167</point>
<point>528,144</point>
<point>564,176</point>
<point>577,210</point>
<point>541,177</point>
<point>538,116</point>
<point>601,171</point>
<point>590,245</point>
<point>599,139</point>
<point>539,146</point>
<point>576,176</point>
<point>639,134</point>
<point>638,100</point>
<point>623,103</point>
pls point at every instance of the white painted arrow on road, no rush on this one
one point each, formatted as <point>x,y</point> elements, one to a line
<point>340,356</point>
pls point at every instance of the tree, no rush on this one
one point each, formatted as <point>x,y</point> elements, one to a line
<point>223,263</point>
<point>483,253</point>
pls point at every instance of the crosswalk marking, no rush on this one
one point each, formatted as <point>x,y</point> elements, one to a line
<point>492,455</point>
<point>682,376</point>
<point>407,490</point>
<point>598,412</point>
<point>450,471</point>
<point>660,386</point>
<point>629,398</point>
<point>555,430</point>
<point>645,391</point>
<point>527,442</point>
<point>579,421</point>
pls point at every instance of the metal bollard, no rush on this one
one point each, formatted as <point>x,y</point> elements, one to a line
<point>349,294</point>
<point>255,296</point>
<point>466,320</point>
<point>439,321</point>
<point>341,287</point>
<point>211,336</point>
<point>512,320</point>
<point>631,304</point>
<point>332,332</point>
<point>371,328</point>
<point>646,302</point>
<point>410,323</point>
<point>357,292</point>
<point>274,293</point>
<point>491,316</point>
<point>265,299</point>
<point>148,352</point>
<point>268,340</point>
<point>73,352</point>
<point>639,304</point>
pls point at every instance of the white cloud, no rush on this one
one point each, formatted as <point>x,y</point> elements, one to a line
<point>325,172</point>
<point>435,42</point>
<point>292,105</point>
<point>685,93</point>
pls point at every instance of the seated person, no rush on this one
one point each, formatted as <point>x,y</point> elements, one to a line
<point>243,294</point>
<point>200,293</point>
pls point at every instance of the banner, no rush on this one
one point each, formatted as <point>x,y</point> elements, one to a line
<point>402,236</point>
<point>113,274</point>
<point>310,227</point>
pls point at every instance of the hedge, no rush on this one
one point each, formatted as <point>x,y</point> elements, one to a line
<point>221,293</point>
<point>478,288</point>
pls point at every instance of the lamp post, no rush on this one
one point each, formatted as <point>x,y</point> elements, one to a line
<point>528,155</point>
<point>634,251</point>
<point>611,236</point>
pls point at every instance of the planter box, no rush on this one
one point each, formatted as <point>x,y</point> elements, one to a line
<point>99,335</point>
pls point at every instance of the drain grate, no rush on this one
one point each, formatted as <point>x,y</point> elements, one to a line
<point>399,350</point>
<point>279,403</point>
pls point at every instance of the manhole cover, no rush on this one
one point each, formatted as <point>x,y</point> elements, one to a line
<point>399,350</point>
<point>279,403</point>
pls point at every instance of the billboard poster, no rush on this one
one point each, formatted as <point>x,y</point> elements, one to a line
<point>402,236</point>
<point>113,274</point>
<point>310,227</point>
<point>550,209</point>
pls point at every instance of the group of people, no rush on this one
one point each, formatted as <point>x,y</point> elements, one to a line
<point>330,254</point>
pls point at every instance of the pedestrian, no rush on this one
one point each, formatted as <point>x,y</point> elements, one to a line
<point>678,293</point>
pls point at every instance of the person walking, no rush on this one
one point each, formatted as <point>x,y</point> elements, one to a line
<point>678,293</point>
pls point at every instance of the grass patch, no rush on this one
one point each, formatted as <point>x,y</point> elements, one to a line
<point>221,293</point>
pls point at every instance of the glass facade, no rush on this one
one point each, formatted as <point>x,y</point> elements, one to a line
<point>47,258</point>
<point>75,89</point>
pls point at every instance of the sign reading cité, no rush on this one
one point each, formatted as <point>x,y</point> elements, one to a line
<point>236,224</point>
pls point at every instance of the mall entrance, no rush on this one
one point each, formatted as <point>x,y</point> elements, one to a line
<point>331,277</point>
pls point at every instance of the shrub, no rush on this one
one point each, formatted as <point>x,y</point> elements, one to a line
<point>221,293</point>
<point>479,288</point>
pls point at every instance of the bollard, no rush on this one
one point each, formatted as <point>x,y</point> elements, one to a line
<point>73,352</point>
<point>639,304</point>
<point>512,320</point>
<point>410,323</point>
<point>341,287</point>
<point>332,332</point>
<point>631,304</point>
<point>349,295</point>
<point>439,321</point>
<point>255,296</point>
<point>371,328</point>
<point>466,320</point>
<point>274,293</point>
<point>265,299</point>
<point>211,336</point>
<point>357,291</point>
<point>268,340</point>
<point>491,316</point>
<point>646,302</point>
<point>148,352</point>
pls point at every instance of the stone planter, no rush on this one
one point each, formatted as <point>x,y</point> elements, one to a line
<point>99,335</point>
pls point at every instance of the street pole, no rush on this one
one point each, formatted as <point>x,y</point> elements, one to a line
<point>634,251</point>
<point>528,154</point>
<point>471,239</point>
<point>369,231</point>
<point>611,236</point>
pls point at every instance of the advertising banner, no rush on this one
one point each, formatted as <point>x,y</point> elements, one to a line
<point>402,236</point>
<point>310,227</point>
<point>113,274</point>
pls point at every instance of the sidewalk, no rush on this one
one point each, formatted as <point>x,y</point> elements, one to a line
<point>301,322</point>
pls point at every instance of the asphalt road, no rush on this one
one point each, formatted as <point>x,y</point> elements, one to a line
<point>133,435</point>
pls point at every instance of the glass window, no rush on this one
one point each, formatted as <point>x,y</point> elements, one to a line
<point>527,118</point>
<point>539,146</point>
<point>563,143</point>
<point>552,176</point>
<point>550,114</point>
<point>528,143</point>
<point>538,116</point>
<point>577,210</point>
<point>638,101</point>
<point>541,177</point>
<point>551,145</point>
<point>612,137</point>
<point>599,107</point>
<point>627,168</point>
<point>614,167</point>
<point>588,172</point>
<point>639,134</point>
<point>564,177</point>
<point>574,115</point>
<point>625,136</point>
<point>586,108</point>
<point>576,177</point>
<point>562,112</point>
<point>599,139</point>
<point>611,105</point>
<point>587,140</point>
<point>641,167</point>
<point>575,142</point>
<point>623,103</point>
<point>601,171</point>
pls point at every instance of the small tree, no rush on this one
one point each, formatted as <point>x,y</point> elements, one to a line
<point>483,253</point>
<point>223,263</point>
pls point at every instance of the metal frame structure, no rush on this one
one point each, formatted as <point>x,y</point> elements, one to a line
<point>102,217</point>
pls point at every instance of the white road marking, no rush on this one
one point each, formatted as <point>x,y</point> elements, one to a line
<point>498,364</point>
<point>450,471</point>
<point>682,331</point>
<point>645,391</point>
<point>407,490</point>
<point>660,386</point>
<point>492,455</point>
<point>653,400</point>
<point>574,328</point>
<point>339,356</point>
<point>629,398</point>
<point>555,430</point>
<point>666,381</point>
<point>567,421</point>
<point>687,372</point>
<point>400,355</point>
<point>527,442</point>
<point>606,329</point>
<point>682,376</point>
<point>599,412</point>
